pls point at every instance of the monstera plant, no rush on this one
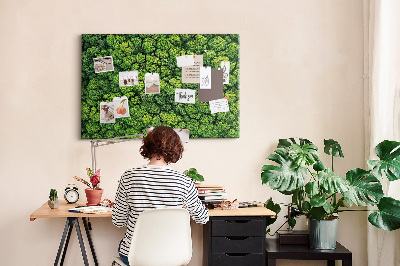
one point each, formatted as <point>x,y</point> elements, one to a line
<point>320,194</point>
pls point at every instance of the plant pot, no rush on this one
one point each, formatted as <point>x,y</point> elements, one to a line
<point>323,234</point>
<point>93,196</point>
<point>53,204</point>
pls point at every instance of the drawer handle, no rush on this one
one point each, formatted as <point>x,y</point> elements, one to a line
<point>237,254</point>
<point>237,221</point>
<point>236,237</point>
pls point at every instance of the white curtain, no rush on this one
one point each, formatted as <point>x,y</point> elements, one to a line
<point>383,109</point>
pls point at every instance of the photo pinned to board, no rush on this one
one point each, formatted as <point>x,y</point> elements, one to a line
<point>205,78</point>
<point>107,112</point>
<point>185,60</point>
<point>183,134</point>
<point>152,83</point>
<point>185,96</point>
<point>225,66</point>
<point>128,78</point>
<point>103,64</point>
<point>121,107</point>
<point>219,106</point>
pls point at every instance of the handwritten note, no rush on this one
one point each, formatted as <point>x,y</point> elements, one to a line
<point>185,96</point>
<point>225,66</point>
<point>205,77</point>
<point>185,60</point>
<point>191,74</point>
<point>219,106</point>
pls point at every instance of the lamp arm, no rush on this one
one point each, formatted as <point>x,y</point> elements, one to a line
<point>94,143</point>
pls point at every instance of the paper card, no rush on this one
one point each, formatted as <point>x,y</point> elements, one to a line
<point>219,106</point>
<point>225,66</point>
<point>152,83</point>
<point>128,78</point>
<point>107,113</point>
<point>103,64</point>
<point>217,88</point>
<point>183,134</point>
<point>121,107</point>
<point>185,60</point>
<point>185,96</point>
<point>191,74</point>
<point>205,78</point>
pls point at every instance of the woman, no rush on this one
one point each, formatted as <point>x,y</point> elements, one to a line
<point>155,186</point>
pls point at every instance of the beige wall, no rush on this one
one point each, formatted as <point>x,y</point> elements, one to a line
<point>301,75</point>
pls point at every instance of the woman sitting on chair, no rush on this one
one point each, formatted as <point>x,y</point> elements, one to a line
<point>155,185</point>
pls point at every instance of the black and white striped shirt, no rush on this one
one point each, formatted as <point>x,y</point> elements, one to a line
<point>151,187</point>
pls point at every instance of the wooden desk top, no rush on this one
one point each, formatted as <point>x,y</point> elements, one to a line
<point>250,211</point>
<point>62,211</point>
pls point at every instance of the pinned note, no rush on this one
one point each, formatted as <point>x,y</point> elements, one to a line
<point>128,78</point>
<point>191,74</point>
<point>185,60</point>
<point>185,96</point>
<point>219,106</point>
<point>103,64</point>
<point>205,77</point>
<point>183,134</point>
<point>217,88</point>
<point>225,66</point>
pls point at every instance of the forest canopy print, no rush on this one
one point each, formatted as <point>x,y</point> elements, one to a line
<point>114,66</point>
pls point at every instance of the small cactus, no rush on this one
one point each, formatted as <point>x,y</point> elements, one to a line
<point>53,195</point>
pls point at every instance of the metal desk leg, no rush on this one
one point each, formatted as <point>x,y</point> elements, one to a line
<point>271,262</point>
<point>331,263</point>
<point>90,241</point>
<point>67,226</point>
<point>66,243</point>
<point>78,232</point>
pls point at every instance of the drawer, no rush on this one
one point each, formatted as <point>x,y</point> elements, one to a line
<point>237,259</point>
<point>238,227</point>
<point>237,245</point>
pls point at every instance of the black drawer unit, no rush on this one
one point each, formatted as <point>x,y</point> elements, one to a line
<point>234,241</point>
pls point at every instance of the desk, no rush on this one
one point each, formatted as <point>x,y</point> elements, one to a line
<point>246,223</point>
<point>304,252</point>
<point>72,219</point>
<point>235,237</point>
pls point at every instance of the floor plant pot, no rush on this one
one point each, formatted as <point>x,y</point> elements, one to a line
<point>93,196</point>
<point>323,234</point>
<point>53,204</point>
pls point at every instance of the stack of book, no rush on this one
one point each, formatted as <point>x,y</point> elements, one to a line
<point>211,194</point>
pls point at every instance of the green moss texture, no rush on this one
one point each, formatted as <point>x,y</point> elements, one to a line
<point>156,53</point>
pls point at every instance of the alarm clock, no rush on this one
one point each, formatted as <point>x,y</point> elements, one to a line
<point>71,194</point>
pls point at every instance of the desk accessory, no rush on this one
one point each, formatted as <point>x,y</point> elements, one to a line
<point>71,194</point>
<point>53,202</point>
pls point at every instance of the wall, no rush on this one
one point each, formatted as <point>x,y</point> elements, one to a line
<point>301,75</point>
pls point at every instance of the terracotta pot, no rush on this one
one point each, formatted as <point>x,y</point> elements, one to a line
<point>93,196</point>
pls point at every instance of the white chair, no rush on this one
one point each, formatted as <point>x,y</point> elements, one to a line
<point>162,237</point>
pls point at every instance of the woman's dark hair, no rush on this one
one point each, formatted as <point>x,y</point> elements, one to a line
<point>162,141</point>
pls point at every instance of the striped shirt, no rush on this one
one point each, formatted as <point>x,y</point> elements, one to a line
<point>151,187</point>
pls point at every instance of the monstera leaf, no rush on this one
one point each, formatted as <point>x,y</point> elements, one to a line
<point>331,183</point>
<point>364,188</point>
<point>334,146</point>
<point>388,153</point>
<point>276,208</point>
<point>304,155</point>
<point>388,216</point>
<point>286,177</point>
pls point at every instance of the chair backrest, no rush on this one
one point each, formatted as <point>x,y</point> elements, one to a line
<point>161,237</point>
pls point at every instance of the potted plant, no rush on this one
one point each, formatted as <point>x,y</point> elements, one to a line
<point>93,193</point>
<point>53,201</point>
<point>194,175</point>
<point>320,195</point>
